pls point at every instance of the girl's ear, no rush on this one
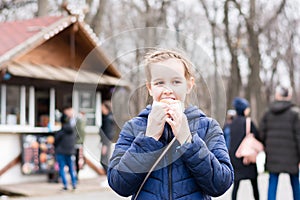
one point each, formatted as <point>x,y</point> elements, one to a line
<point>148,85</point>
<point>190,85</point>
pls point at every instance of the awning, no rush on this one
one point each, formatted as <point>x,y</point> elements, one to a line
<point>64,74</point>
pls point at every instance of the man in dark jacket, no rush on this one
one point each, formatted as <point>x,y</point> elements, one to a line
<point>280,133</point>
<point>65,147</point>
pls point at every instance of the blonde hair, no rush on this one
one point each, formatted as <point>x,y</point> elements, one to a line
<point>160,55</point>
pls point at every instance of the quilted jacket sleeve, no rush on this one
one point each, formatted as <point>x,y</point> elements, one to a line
<point>208,160</point>
<point>132,158</point>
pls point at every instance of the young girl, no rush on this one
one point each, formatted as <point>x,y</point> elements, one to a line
<point>195,166</point>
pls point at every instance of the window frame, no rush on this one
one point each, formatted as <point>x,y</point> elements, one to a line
<point>27,115</point>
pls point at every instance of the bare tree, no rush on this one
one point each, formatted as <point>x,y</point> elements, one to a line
<point>254,87</point>
<point>291,54</point>
<point>43,8</point>
<point>233,41</point>
<point>291,64</point>
<point>89,15</point>
<point>211,16</point>
<point>14,10</point>
<point>97,21</point>
<point>259,43</point>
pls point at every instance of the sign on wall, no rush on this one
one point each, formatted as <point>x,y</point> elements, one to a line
<point>38,156</point>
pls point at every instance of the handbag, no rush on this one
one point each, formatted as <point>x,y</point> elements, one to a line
<point>249,147</point>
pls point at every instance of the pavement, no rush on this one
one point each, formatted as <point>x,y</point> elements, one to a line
<point>284,189</point>
<point>98,187</point>
<point>40,189</point>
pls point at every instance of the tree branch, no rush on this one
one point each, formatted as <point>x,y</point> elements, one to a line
<point>273,18</point>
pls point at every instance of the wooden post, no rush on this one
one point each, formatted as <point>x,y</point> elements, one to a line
<point>98,170</point>
<point>10,164</point>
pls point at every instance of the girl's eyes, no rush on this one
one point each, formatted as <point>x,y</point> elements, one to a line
<point>159,83</point>
<point>175,82</point>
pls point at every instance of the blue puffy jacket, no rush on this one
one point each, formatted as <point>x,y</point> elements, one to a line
<point>196,170</point>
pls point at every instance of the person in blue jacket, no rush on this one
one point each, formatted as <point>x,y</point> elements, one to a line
<point>194,163</point>
<point>226,129</point>
<point>65,140</point>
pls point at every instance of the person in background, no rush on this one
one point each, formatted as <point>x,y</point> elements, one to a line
<point>226,129</point>
<point>80,136</point>
<point>107,133</point>
<point>237,134</point>
<point>64,144</point>
<point>280,133</point>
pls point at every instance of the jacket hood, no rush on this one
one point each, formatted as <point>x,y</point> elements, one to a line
<point>191,112</point>
<point>278,107</point>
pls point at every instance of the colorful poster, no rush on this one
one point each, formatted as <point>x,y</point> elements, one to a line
<point>38,153</point>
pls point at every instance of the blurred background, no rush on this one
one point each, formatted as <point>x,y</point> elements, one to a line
<point>238,47</point>
<point>251,45</point>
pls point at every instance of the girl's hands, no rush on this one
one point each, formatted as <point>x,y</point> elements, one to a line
<point>179,123</point>
<point>156,120</point>
<point>172,113</point>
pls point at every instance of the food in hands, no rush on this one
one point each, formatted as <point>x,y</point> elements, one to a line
<point>169,101</point>
<point>172,102</point>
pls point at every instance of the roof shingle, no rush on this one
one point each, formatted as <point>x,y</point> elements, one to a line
<point>14,33</point>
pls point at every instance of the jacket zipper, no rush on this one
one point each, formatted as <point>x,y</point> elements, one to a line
<point>170,181</point>
<point>169,156</point>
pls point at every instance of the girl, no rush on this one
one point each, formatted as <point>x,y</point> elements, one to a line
<point>195,166</point>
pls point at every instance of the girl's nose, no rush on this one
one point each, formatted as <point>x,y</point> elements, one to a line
<point>167,90</point>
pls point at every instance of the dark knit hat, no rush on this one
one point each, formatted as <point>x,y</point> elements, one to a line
<point>240,104</point>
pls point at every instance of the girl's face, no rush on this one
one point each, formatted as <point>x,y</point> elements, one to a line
<point>168,80</point>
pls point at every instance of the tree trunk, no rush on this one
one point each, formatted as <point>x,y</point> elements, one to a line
<point>292,67</point>
<point>234,80</point>
<point>43,8</point>
<point>254,93</point>
<point>89,17</point>
<point>97,21</point>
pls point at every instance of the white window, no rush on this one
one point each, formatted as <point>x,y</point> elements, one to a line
<point>12,105</point>
<point>37,107</point>
<point>22,105</point>
<point>86,104</point>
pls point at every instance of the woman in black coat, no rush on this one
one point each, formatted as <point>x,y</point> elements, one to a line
<point>238,132</point>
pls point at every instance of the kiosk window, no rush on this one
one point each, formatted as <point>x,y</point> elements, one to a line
<point>12,105</point>
<point>87,105</point>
